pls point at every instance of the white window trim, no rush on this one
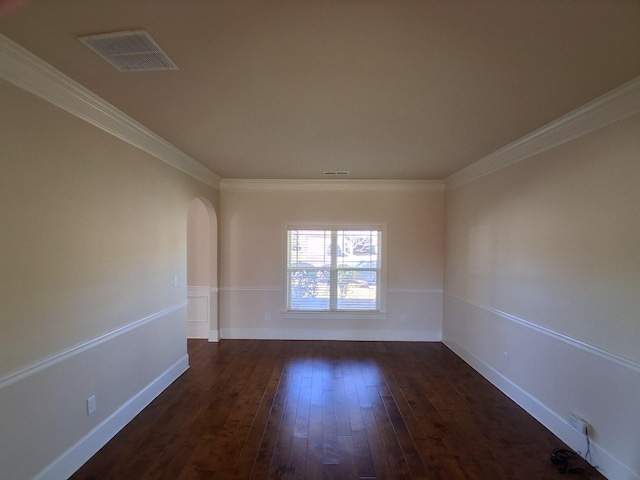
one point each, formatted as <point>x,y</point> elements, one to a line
<point>380,313</point>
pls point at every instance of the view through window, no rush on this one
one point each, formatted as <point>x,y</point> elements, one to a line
<point>333,270</point>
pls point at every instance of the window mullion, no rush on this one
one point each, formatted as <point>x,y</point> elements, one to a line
<point>333,272</point>
<point>290,234</point>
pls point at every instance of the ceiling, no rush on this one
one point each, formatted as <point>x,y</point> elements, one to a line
<point>386,89</point>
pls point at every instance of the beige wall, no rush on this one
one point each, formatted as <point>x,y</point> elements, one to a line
<point>542,275</point>
<point>93,233</point>
<point>252,256</point>
<point>200,266</point>
<point>202,270</point>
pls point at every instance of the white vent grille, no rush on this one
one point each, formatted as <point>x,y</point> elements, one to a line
<point>336,173</point>
<point>130,51</point>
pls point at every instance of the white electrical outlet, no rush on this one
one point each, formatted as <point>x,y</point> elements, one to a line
<point>267,317</point>
<point>505,358</point>
<point>578,423</point>
<point>176,281</point>
<point>91,404</point>
<point>403,318</point>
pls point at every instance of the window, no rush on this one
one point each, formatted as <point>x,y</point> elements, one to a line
<point>332,269</point>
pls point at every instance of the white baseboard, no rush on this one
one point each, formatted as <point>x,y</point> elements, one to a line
<point>321,334</point>
<point>214,336</point>
<point>71,460</point>
<point>608,465</point>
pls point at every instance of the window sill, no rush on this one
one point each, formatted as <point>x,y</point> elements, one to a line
<point>342,315</point>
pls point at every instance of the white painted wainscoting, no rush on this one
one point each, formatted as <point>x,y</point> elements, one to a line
<point>202,313</point>
<point>257,313</point>
<point>198,311</point>
<point>47,431</point>
<point>552,376</point>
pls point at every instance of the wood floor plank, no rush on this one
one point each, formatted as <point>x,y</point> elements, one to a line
<point>261,439</point>
<point>294,381</point>
<point>315,450</point>
<point>281,460</point>
<point>347,464</point>
<point>376,444</point>
<point>298,463</point>
<point>251,409</point>
<point>330,453</point>
<point>362,455</point>
<point>301,424</point>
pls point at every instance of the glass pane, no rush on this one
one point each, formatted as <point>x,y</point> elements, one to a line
<point>355,246</point>
<point>309,248</point>
<point>357,290</point>
<point>308,289</point>
<point>309,256</point>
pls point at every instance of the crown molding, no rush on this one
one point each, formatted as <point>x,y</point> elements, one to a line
<point>615,105</point>
<point>331,185</point>
<point>25,70</point>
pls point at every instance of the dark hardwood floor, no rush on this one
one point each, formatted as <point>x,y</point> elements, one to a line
<point>328,410</point>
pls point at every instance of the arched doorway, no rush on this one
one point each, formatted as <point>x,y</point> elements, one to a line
<point>202,270</point>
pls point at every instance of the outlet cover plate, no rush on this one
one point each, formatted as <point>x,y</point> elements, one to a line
<point>91,404</point>
<point>578,423</point>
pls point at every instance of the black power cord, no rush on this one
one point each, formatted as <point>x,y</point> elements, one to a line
<point>560,457</point>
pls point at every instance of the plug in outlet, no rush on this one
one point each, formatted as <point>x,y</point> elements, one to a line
<point>578,423</point>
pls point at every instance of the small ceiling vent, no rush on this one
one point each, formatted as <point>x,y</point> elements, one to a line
<point>130,51</point>
<point>336,173</point>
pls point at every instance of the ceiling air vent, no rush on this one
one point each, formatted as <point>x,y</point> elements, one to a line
<point>130,51</point>
<point>335,173</point>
